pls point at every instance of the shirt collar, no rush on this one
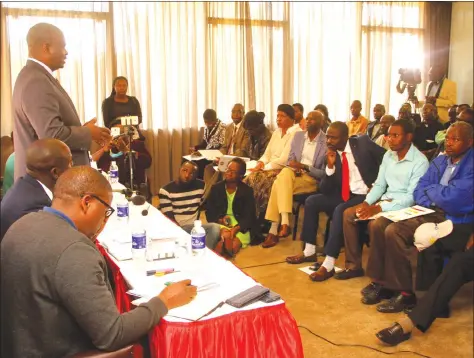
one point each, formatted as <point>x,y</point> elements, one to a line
<point>46,189</point>
<point>315,138</point>
<point>41,64</point>
<point>347,149</point>
<point>410,156</point>
<point>238,125</point>
<point>61,215</point>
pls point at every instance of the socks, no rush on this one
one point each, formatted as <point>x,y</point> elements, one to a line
<point>406,324</point>
<point>309,250</point>
<point>329,263</point>
<point>285,219</point>
<point>274,228</point>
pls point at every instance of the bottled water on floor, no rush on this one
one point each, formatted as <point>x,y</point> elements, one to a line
<point>198,239</point>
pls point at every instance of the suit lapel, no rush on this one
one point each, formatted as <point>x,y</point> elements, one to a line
<point>355,151</point>
<point>319,147</point>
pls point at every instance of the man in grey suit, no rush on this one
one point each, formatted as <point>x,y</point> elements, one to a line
<point>56,297</point>
<point>42,108</point>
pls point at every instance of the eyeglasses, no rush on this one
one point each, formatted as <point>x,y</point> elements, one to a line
<point>110,210</point>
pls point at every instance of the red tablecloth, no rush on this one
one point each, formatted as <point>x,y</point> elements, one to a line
<point>264,332</point>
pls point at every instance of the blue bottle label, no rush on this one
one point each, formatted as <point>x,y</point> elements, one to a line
<point>122,210</point>
<point>198,241</point>
<point>113,174</point>
<point>139,241</point>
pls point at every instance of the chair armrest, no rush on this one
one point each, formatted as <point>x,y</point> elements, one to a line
<point>126,352</point>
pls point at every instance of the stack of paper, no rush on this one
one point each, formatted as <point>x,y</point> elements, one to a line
<point>211,154</point>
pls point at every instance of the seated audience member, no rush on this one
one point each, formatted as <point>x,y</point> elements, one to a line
<point>457,272</point>
<point>180,201</point>
<point>327,121</point>
<point>358,123</point>
<point>231,204</point>
<point>275,157</point>
<point>373,129</point>
<point>466,115</point>
<point>447,188</point>
<point>304,171</point>
<point>64,278</point>
<point>352,165</point>
<point>46,160</point>
<point>9,172</point>
<point>117,150</point>
<point>385,123</point>
<point>235,143</point>
<point>259,134</point>
<point>214,133</point>
<point>425,134</point>
<point>299,115</point>
<point>452,114</point>
<point>399,174</point>
<point>401,169</point>
<point>118,104</point>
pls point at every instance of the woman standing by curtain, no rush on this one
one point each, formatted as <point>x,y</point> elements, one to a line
<point>118,104</point>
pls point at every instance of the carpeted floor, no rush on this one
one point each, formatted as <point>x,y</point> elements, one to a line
<point>332,309</point>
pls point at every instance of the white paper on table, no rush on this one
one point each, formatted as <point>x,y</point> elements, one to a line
<point>309,272</point>
<point>193,157</point>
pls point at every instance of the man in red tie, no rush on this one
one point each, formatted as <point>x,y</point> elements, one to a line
<point>352,165</point>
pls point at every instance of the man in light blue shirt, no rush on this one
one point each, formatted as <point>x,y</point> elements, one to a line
<point>401,169</point>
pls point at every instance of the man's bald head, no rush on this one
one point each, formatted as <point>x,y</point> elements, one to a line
<point>46,43</point>
<point>314,121</point>
<point>458,140</point>
<point>77,181</point>
<point>47,159</point>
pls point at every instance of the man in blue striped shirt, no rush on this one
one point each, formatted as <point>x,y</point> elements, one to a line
<point>401,169</point>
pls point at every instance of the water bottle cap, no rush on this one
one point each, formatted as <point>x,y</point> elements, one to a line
<point>197,223</point>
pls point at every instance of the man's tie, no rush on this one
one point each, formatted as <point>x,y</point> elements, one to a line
<point>346,193</point>
<point>230,150</point>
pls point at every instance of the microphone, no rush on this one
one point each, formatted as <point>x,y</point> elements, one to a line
<point>138,200</point>
<point>145,211</point>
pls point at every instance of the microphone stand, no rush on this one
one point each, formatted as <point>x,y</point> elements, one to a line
<point>130,156</point>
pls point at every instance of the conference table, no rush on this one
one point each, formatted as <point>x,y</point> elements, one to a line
<point>207,327</point>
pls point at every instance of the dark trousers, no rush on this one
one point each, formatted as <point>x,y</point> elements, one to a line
<point>391,246</point>
<point>431,260</point>
<point>334,207</point>
<point>457,272</point>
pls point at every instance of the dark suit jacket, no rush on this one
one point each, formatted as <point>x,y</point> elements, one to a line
<point>43,109</point>
<point>25,196</point>
<point>370,128</point>
<point>316,170</point>
<point>243,205</point>
<point>368,157</point>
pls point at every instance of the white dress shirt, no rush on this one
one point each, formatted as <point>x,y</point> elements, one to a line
<point>278,149</point>
<point>309,149</point>
<point>356,183</point>
<point>42,64</point>
<point>46,189</point>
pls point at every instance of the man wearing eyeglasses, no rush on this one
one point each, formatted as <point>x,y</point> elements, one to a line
<point>56,297</point>
<point>46,160</point>
<point>401,169</point>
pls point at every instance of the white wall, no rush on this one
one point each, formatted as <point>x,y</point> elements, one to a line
<point>461,51</point>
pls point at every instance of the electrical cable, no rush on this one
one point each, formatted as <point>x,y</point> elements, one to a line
<point>271,263</point>
<point>361,345</point>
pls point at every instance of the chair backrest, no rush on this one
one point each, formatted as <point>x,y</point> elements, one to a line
<point>126,352</point>
<point>6,150</point>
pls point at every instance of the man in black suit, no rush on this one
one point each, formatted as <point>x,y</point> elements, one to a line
<point>352,165</point>
<point>46,160</point>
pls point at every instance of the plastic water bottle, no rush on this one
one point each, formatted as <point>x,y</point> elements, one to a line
<point>198,239</point>
<point>113,173</point>
<point>122,210</point>
<point>139,244</point>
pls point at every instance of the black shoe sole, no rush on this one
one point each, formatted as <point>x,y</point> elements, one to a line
<point>343,277</point>
<point>397,310</point>
<point>403,338</point>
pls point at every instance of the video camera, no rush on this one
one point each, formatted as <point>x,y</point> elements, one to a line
<point>410,76</point>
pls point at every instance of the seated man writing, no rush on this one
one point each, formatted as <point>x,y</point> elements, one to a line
<point>231,204</point>
<point>64,304</point>
<point>180,201</point>
<point>302,175</point>
<point>401,169</point>
<point>46,160</point>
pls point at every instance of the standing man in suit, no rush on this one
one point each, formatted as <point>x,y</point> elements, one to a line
<point>46,160</point>
<point>441,92</point>
<point>42,108</point>
<point>302,175</point>
<point>352,165</point>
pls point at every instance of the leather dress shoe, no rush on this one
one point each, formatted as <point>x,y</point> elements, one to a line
<point>321,275</point>
<point>348,274</point>
<point>375,294</point>
<point>397,304</point>
<point>393,335</point>
<point>284,231</point>
<point>315,267</point>
<point>270,241</point>
<point>299,259</point>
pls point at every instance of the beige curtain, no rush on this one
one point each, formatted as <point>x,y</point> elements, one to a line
<point>87,68</point>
